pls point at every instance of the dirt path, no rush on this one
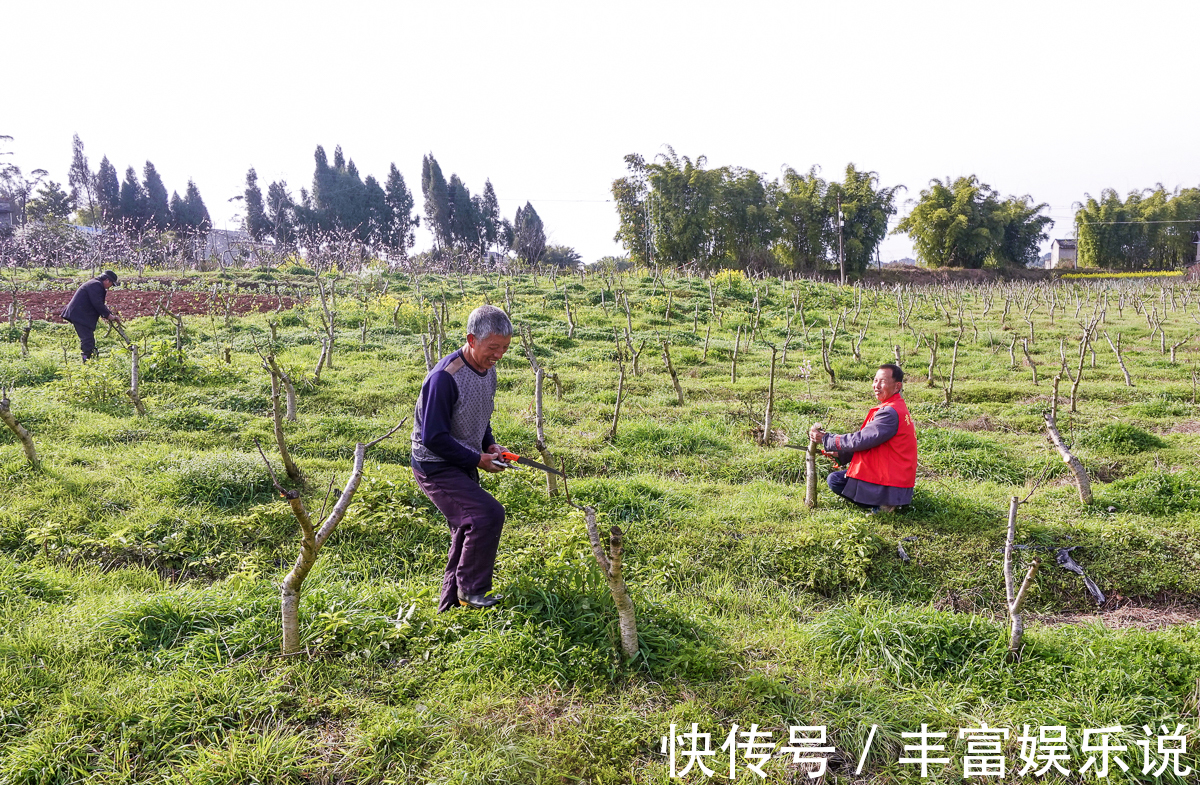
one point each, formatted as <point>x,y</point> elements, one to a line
<point>1128,617</point>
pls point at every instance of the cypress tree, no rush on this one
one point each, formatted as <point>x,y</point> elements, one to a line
<point>83,183</point>
<point>323,189</point>
<point>400,236</point>
<point>529,235</point>
<point>489,210</point>
<point>134,209</point>
<point>464,217</point>
<point>352,212</point>
<point>308,222</point>
<point>196,211</point>
<point>108,193</point>
<point>438,210</point>
<point>256,223</point>
<point>379,219</point>
<point>280,213</point>
<point>159,209</point>
<point>179,216</point>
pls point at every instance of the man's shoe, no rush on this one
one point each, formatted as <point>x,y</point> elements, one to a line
<point>478,600</point>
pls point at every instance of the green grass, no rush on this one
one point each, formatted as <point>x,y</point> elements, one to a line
<point>139,568</point>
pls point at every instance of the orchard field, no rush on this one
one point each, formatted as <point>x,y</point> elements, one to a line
<point>140,564</point>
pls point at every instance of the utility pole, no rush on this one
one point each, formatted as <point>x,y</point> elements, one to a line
<point>841,256</point>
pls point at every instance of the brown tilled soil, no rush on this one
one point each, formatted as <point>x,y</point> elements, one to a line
<point>47,306</point>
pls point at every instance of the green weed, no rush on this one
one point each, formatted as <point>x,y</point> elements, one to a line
<point>224,478</point>
<point>1116,438</point>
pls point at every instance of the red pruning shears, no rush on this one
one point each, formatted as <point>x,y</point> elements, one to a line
<point>512,457</point>
<point>830,455</point>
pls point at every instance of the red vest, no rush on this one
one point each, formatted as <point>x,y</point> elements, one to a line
<point>894,462</point>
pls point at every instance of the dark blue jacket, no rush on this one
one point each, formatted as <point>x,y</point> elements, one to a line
<point>87,306</point>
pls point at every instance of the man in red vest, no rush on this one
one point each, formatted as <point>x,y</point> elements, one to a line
<point>882,454</point>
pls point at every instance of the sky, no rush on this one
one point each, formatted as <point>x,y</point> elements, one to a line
<point>1056,99</point>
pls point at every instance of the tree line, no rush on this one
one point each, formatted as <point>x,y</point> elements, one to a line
<point>101,199</point>
<point>380,217</point>
<point>675,211</point>
<point>340,209</point>
<point>672,211</point>
<point>1150,228</point>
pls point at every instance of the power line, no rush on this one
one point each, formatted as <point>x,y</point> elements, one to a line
<point>1181,221</point>
<point>540,201</point>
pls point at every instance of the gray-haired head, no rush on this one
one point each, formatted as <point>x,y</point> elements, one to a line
<point>488,320</point>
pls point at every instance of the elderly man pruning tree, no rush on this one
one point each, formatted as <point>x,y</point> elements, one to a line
<point>451,441</point>
<point>86,308</point>
<point>882,454</point>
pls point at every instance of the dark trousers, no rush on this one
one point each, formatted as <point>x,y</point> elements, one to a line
<point>87,340</point>
<point>475,520</point>
<point>837,484</point>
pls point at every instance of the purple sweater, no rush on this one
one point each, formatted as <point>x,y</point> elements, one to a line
<point>452,422</point>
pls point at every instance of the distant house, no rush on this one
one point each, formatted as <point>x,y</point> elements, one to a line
<point>1062,255</point>
<point>232,247</point>
<point>87,231</point>
<point>6,214</point>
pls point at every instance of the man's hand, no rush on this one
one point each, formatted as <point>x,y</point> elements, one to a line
<point>497,449</point>
<point>487,461</point>
<point>816,433</point>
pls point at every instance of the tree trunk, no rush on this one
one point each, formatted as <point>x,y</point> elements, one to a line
<point>329,325</point>
<point>767,415</point>
<point>288,387</point>
<point>135,381</point>
<point>1120,360</point>
<point>1016,599</point>
<point>570,319</point>
<point>810,475</point>
<point>289,590</point>
<point>826,348</point>
<point>547,458</point>
<point>612,432</point>
<point>321,360</point>
<point>1028,359</point>
<point>671,370</point>
<point>610,565</point>
<point>312,540</point>
<point>737,342</point>
<point>953,365</point>
<point>289,466</point>
<point>933,350</point>
<point>1081,478</point>
<point>18,430</point>
<point>29,326</point>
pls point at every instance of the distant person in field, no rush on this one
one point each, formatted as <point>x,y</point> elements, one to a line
<point>882,455</point>
<point>86,308</point>
<point>451,441</point>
